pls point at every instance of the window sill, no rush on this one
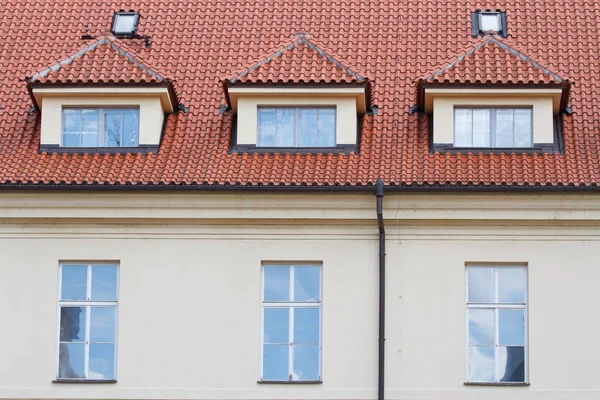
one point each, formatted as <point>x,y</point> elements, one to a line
<point>143,149</point>
<point>84,381</point>
<point>290,382</point>
<point>537,149</point>
<point>497,384</point>
<point>344,149</point>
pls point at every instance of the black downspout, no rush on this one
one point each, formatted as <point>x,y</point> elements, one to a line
<point>379,195</point>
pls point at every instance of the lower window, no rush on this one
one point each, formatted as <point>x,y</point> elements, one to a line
<point>100,127</point>
<point>291,309</point>
<point>497,324</point>
<point>87,322</point>
<point>296,127</point>
<point>493,127</point>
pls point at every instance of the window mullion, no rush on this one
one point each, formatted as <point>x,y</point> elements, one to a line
<point>497,346</point>
<point>291,346</point>
<point>86,356</point>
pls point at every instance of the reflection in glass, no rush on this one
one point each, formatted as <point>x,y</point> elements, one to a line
<point>512,364</point>
<point>481,285</point>
<point>481,127</point>
<point>70,360</point>
<point>72,324</point>
<point>276,283</point>
<point>285,127</point>
<point>511,325</point>
<point>326,127</point>
<point>307,283</point>
<point>523,128</point>
<point>74,282</point>
<point>463,128</point>
<point>276,325</point>
<point>102,361</point>
<point>511,285</point>
<point>504,127</point>
<point>306,362</point>
<point>267,126</point>
<point>308,127</point>
<point>104,282</point>
<point>481,326</point>
<point>275,362</point>
<point>102,324</point>
<point>481,366</point>
<point>306,325</point>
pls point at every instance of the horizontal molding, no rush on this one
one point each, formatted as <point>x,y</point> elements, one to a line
<point>142,149</point>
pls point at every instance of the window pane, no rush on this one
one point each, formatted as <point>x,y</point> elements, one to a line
<point>71,140</point>
<point>104,282</point>
<point>277,283</point>
<point>308,127</point>
<point>481,127</point>
<point>102,324</point>
<point>72,324</point>
<point>71,121</point>
<point>504,128</point>
<point>131,125</point>
<point>511,285</point>
<point>463,127</point>
<point>74,282</point>
<point>275,362</point>
<point>102,361</point>
<point>89,128</point>
<point>512,364</point>
<point>489,22</point>
<point>326,127</point>
<point>481,366</point>
<point>267,127</point>
<point>124,24</point>
<point>285,127</point>
<point>70,360</point>
<point>511,327</point>
<point>112,127</point>
<point>481,327</point>
<point>481,285</point>
<point>89,139</point>
<point>306,363</point>
<point>276,325</point>
<point>306,325</point>
<point>307,283</point>
<point>523,127</point>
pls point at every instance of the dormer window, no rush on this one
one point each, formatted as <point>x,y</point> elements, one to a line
<point>100,127</point>
<point>125,23</point>
<point>493,127</point>
<point>296,127</point>
<point>484,22</point>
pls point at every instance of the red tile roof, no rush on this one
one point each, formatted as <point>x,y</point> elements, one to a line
<point>394,43</point>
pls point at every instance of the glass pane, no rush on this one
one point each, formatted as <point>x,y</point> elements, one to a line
<point>124,24</point>
<point>72,324</point>
<point>489,22</point>
<point>504,128</point>
<point>306,363</point>
<point>308,127</point>
<point>481,327</point>
<point>481,127</point>
<point>276,325</point>
<point>73,282</point>
<point>104,282</point>
<point>326,127</point>
<point>306,325</point>
<point>102,324</point>
<point>70,360</point>
<point>89,119</point>
<point>131,126</point>
<point>307,283</point>
<point>89,139</point>
<point>285,127</point>
<point>267,126</point>
<point>463,129</point>
<point>481,366</point>
<point>71,121</point>
<point>511,285</point>
<point>275,362</point>
<point>277,283</point>
<point>70,140</point>
<point>512,364</point>
<point>112,127</point>
<point>481,285</point>
<point>102,361</point>
<point>523,128</point>
<point>511,327</point>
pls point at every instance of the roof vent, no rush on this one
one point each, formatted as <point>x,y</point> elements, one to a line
<point>125,23</point>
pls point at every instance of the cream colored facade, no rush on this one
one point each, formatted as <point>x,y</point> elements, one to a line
<point>189,296</point>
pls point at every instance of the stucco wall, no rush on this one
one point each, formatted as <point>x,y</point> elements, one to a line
<point>189,309</point>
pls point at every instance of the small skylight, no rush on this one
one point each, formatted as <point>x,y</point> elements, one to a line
<point>125,23</point>
<point>488,21</point>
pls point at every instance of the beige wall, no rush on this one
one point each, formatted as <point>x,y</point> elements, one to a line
<point>189,310</point>
<point>247,114</point>
<point>151,115</point>
<point>443,114</point>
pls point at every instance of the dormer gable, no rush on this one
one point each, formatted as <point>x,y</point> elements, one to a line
<point>109,87</point>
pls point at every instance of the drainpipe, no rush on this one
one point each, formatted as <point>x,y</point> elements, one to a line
<point>379,195</point>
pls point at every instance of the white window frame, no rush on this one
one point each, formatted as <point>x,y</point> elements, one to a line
<point>291,305</point>
<point>101,133</point>
<point>297,129</point>
<point>492,136</point>
<point>496,306</point>
<point>88,303</point>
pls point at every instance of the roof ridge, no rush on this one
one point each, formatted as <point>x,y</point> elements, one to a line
<point>122,49</point>
<point>504,46</point>
<point>301,38</point>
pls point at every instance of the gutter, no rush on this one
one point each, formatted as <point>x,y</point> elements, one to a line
<point>381,379</point>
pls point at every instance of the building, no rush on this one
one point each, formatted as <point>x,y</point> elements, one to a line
<point>299,200</point>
